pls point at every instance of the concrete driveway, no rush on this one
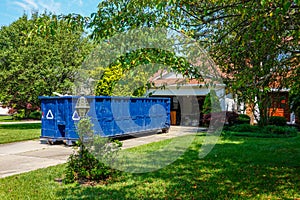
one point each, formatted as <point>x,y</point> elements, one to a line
<point>20,157</point>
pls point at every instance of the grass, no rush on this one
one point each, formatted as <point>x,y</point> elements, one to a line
<point>7,118</point>
<point>237,168</point>
<point>19,132</point>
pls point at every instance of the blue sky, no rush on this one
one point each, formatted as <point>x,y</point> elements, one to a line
<point>11,10</point>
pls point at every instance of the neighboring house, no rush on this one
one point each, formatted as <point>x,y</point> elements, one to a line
<point>3,111</point>
<point>279,107</point>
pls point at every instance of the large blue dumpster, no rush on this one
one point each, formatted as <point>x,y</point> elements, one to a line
<point>111,116</point>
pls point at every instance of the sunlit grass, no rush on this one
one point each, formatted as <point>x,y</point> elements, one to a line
<point>19,132</point>
<point>237,168</point>
<point>7,118</point>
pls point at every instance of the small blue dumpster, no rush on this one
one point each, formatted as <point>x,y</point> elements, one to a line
<point>111,116</point>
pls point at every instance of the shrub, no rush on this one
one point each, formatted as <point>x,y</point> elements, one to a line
<point>84,167</point>
<point>243,119</point>
<point>256,131</point>
<point>92,161</point>
<point>19,115</point>
<point>280,130</point>
<point>229,117</point>
<point>35,115</point>
<point>278,121</point>
<point>219,118</point>
<point>211,103</point>
<point>244,128</point>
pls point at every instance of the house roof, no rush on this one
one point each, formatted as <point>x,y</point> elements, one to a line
<point>170,78</point>
<point>165,78</point>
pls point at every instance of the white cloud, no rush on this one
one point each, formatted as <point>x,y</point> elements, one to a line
<point>75,2</point>
<point>40,5</point>
<point>50,5</point>
<point>31,3</point>
<point>22,5</point>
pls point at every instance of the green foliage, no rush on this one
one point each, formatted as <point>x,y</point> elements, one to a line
<point>35,115</point>
<point>247,44</point>
<point>207,104</point>
<point>39,56</point>
<point>211,103</point>
<point>129,74</point>
<point>255,44</point>
<point>19,115</point>
<point>244,128</point>
<point>256,131</point>
<point>92,161</point>
<point>277,121</point>
<point>280,130</point>
<point>107,23</point>
<point>108,80</point>
<point>115,16</point>
<point>243,119</point>
<point>85,167</point>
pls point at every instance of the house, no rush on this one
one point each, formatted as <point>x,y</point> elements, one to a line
<point>187,96</point>
<point>187,99</point>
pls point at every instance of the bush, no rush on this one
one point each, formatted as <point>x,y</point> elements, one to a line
<point>19,115</point>
<point>278,121</point>
<point>244,128</point>
<point>243,119</point>
<point>219,118</point>
<point>93,159</point>
<point>35,115</point>
<point>280,130</point>
<point>211,103</point>
<point>229,117</point>
<point>256,131</point>
<point>84,166</point>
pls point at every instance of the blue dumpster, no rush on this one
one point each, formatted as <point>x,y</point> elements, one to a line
<point>111,116</point>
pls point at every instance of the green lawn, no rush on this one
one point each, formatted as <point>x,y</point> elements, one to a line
<point>237,168</point>
<point>7,118</point>
<point>19,132</point>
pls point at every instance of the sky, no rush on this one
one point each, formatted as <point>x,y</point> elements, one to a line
<point>11,10</point>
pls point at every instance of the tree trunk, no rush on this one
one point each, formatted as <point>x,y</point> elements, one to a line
<point>263,106</point>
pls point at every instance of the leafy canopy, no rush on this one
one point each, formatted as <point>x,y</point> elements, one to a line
<point>254,43</point>
<point>39,56</point>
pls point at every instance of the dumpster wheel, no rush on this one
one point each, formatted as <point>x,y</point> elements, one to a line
<point>50,142</point>
<point>165,130</point>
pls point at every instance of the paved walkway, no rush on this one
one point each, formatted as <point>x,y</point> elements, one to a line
<point>20,157</point>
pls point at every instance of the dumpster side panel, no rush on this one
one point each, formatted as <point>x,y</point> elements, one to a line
<point>48,118</point>
<point>111,116</point>
<point>72,118</point>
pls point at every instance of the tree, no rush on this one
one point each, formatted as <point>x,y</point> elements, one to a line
<point>254,43</point>
<point>124,78</point>
<point>39,56</point>
<point>115,17</point>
